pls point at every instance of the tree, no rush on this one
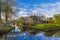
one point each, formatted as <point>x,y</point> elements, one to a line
<point>6,6</point>
<point>8,12</point>
<point>57,18</point>
<point>0,14</point>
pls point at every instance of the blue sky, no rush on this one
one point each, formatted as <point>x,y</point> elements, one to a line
<point>46,7</point>
<point>37,1</point>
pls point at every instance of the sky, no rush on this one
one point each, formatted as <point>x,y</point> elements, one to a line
<point>45,7</point>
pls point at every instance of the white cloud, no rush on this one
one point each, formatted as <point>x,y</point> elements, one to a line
<point>23,13</point>
<point>48,9</point>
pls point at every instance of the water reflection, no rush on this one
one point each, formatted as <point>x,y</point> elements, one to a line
<point>53,35</point>
<point>39,36</point>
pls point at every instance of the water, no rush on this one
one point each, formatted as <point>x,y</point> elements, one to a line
<point>40,36</point>
<point>28,36</point>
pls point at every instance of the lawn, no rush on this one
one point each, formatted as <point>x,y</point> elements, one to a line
<point>48,26</point>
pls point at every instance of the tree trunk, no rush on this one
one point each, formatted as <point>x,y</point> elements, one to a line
<point>0,17</point>
<point>0,14</point>
<point>6,18</point>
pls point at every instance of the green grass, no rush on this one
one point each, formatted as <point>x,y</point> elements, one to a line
<point>46,26</point>
<point>5,29</point>
<point>40,26</point>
